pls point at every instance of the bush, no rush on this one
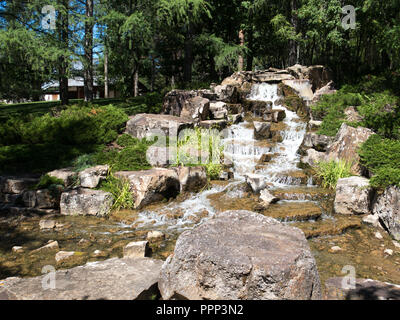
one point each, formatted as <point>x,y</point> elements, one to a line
<point>331,171</point>
<point>382,158</point>
<point>213,170</point>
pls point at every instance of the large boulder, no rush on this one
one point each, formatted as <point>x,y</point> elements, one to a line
<point>353,196</point>
<point>192,179</point>
<point>346,144</point>
<point>327,89</point>
<point>148,186</point>
<point>312,157</point>
<point>196,109</point>
<point>302,87</point>
<point>84,202</point>
<point>387,207</point>
<point>68,175</point>
<point>16,185</point>
<point>219,110</point>
<point>174,101</point>
<point>227,93</point>
<point>91,177</point>
<point>113,279</point>
<point>241,255</point>
<point>316,141</point>
<point>146,125</point>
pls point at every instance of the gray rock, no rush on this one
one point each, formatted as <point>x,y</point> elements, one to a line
<point>235,118</point>
<point>262,130</point>
<point>48,199</point>
<point>192,179</point>
<point>155,236</point>
<point>174,101</point>
<point>152,185</point>
<point>372,219</point>
<point>227,93</point>
<point>68,175</point>
<point>314,125</point>
<point>317,141</point>
<point>51,245</point>
<point>214,124</point>
<point>158,156</point>
<point>86,202</point>
<point>266,198</point>
<point>256,182</point>
<point>353,196</point>
<point>196,109</point>
<point>346,145</point>
<point>365,289</point>
<point>137,249</point>
<point>45,224</point>
<point>327,89</point>
<point>16,185</point>
<point>312,157</point>
<point>241,255</point>
<point>219,110</point>
<point>148,125</point>
<point>113,279</point>
<point>64,255</point>
<point>91,177</point>
<point>387,207</point>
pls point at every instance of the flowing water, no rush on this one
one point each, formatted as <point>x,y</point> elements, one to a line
<point>303,205</point>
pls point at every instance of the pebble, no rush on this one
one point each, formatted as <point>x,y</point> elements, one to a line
<point>389,252</point>
<point>396,244</point>
<point>47,224</point>
<point>63,255</point>
<point>155,236</point>
<point>378,235</point>
<point>336,249</point>
<point>17,249</point>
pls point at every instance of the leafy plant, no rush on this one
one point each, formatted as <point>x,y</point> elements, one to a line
<point>121,191</point>
<point>46,181</point>
<point>331,171</point>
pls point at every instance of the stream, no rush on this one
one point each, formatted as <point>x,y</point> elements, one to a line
<point>302,204</point>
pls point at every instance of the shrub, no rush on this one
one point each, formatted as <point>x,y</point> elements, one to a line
<point>121,191</point>
<point>377,153</point>
<point>213,170</point>
<point>331,171</point>
<point>382,158</point>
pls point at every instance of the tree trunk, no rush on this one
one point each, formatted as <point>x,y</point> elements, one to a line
<point>62,69</point>
<point>106,90</point>
<point>292,43</point>
<point>241,59</point>
<point>88,76</point>
<point>153,73</point>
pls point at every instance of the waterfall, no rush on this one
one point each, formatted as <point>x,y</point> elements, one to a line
<point>244,151</point>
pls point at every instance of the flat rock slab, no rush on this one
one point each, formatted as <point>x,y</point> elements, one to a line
<point>365,289</point>
<point>241,255</point>
<point>113,279</point>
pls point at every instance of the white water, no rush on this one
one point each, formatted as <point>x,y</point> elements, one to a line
<point>244,151</point>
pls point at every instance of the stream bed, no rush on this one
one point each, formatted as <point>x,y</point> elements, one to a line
<point>302,204</point>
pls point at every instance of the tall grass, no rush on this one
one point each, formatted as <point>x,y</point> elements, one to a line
<point>331,171</point>
<point>121,191</point>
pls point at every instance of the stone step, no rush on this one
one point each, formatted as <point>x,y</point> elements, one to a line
<point>303,193</point>
<point>293,211</point>
<point>329,226</point>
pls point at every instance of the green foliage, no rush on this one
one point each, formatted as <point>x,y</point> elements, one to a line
<point>382,158</point>
<point>121,191</point>
<point>381,113</point>
<point>47,181</point>
<point>331,171</point>
<point>385,177</point>
<point>75,125</point>
<point>214,170</point>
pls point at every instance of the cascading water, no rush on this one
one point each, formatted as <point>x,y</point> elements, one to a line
<point>244,151</point>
